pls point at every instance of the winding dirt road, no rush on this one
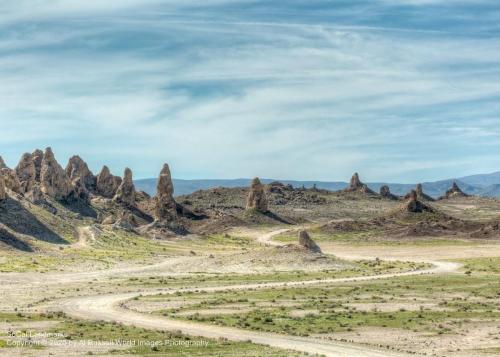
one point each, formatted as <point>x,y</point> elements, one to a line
<point>84,234</point>
<point>109,308</point>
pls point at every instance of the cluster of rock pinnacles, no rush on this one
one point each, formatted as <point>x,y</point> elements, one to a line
<point>38,175</point>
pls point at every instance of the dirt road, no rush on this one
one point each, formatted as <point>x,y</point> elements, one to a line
<point>84,235</point>
<point>108,307</point>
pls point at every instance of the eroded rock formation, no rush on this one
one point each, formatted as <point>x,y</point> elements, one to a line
<point>53,179</point>
<point>355,185</point>
<point>125,194</point>
<point>454,191</point>
<point>35,195</point>
<point>355,182</point>
<point>414,205</point>
<point>126,221</point>
<point>2,164</point>
<point>306,241</point>
<point>11,180</point>
<point>106,183</point>
<point>422,195</point>
<point>37,157</point>
<point>79,190</point>
<point>165,205</point>
<point>3,193</point>
<point>256,199</point>
<point>385,192</point>
<point>26,173</point>
<point>77,168</point>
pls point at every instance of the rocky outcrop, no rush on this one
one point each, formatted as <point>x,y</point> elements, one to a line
<point>11,180</point>
<point>77,168</point>
<point>413,205</point>
<point>53,179</point>
<point>125,194</point>
<point>454,191</point>
<point>355,185</point>
<point>165,205</point>
<point>79,190</point>
<point>306,241</point>
<point>3,193</point>
<point>256,199</point>
<point>35,195</point>
<point>106,183</point>
<point>26,173</point>
<point>37,157</point>
<point>385,192</point>
<point>422,195</point>
<point>125,221</point>
<point>2,164</point>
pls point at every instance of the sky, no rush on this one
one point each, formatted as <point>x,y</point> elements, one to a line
<point>398,90</point>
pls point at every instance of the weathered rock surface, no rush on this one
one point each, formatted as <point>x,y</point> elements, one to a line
<point>77,168</point>
<point>165,205</point>
<point>385,192</point>
<point>355,185</point>
<point>53,179</point>
<point>26,173</point>
<point>422,195</point>
<point>413,205</point>
<point>454,191</point>
<point>256,199</point>
<point>37,157</point>
<point>306,241</point>
<point>355,182</point>
<point>35,195</point>
<point>11,180</point>
<point>79,190</point>
<point>106,183</point>
<point>2,164</point>
<point>126,221</point>
<point>125,194</point>
<point>3,193</point>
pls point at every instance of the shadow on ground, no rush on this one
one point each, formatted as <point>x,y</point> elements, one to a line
<point>8,239</point>
<point>18,219</point>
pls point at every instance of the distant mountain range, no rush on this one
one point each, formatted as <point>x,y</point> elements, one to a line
<point>487,185</point>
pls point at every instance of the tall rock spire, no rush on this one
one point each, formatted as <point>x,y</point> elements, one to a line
<point>53,179</point>
<point>165,205</point>
<point>126,191</point>
<point>77,168</point>
<point>106,183</point>
<point>256,199</point>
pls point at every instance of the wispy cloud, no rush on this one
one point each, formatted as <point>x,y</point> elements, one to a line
<point>243,88</point>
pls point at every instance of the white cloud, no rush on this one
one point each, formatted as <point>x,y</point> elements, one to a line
<point>236,97</point>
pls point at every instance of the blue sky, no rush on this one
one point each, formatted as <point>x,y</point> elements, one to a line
<point>399,90</point>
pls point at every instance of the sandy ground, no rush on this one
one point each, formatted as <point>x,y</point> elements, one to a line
<point>413,253</point>
<point>84,235</point>
<point>110,307</point>
<point>462,343</point>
